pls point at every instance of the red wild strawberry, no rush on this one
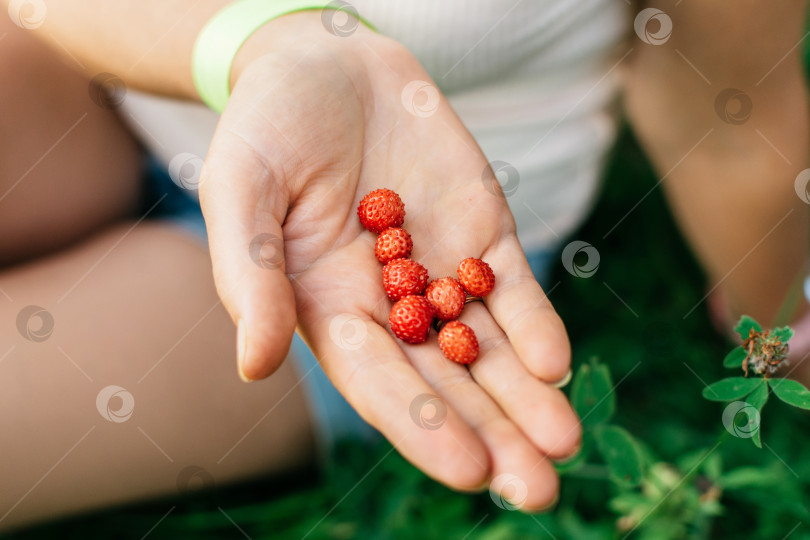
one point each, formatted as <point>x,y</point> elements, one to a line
<point>402,277</point>
<point>393,243</point>
<point>476,277</point>
<point>410,319</point>
<point>458,342</point>
<point>380,209</point>
<point>446,296</point>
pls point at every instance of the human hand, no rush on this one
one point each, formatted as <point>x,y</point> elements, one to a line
<point>312,127</point>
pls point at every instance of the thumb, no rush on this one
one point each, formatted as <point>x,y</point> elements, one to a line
<point>244,207</point>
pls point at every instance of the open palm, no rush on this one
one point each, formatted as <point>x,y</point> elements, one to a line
<point>305,136</point>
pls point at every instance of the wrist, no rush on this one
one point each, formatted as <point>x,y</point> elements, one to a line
<point>307,33</point>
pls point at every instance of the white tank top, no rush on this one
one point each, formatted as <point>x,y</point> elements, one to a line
<point>533,80</point>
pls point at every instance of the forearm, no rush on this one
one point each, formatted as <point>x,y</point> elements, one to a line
<point>731,185</point>
<point>738,209</point>
<point>148,43</point>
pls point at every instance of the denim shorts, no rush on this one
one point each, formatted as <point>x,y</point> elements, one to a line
<point>333,417</point>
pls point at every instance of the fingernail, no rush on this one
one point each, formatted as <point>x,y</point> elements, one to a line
<point>483,486</point>
<point>552,504</point>
<point>241,349</point>
<point>570,457</point>
<point>546,508</point>
<point>564,381</point>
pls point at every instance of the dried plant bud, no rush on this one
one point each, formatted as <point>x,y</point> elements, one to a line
<point>765,353</point>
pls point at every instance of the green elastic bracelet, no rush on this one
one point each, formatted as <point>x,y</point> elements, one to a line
<point>223,36</point>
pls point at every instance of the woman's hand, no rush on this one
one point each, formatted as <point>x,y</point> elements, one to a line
<point>308,131</point>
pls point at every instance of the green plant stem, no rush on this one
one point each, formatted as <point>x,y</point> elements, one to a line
<point>591,471</point>
<point>791,301</point>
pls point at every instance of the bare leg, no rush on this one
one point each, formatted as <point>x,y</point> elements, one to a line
<point>67,166</point>
<point>136,309</point>
<point>132,308</point>
<point>142,315</point>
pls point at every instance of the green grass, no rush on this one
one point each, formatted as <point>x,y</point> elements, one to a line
<point>371,492</point>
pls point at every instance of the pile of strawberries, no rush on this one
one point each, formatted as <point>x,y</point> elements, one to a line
<point>416,301</point>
